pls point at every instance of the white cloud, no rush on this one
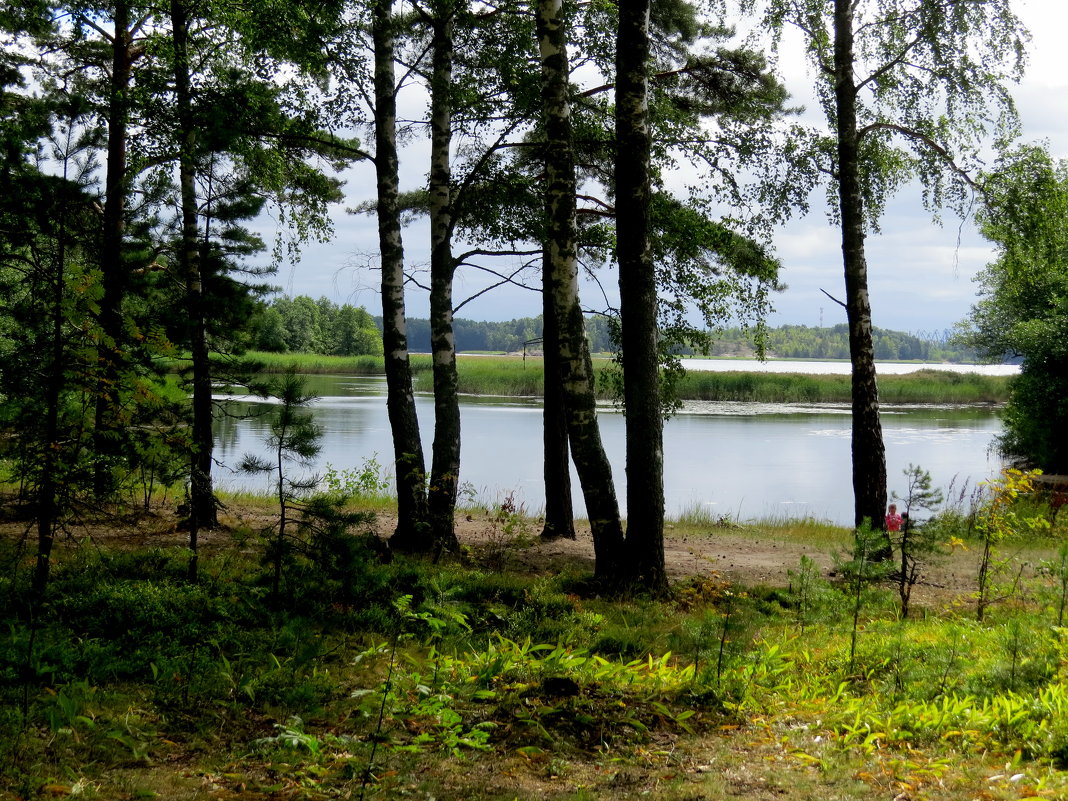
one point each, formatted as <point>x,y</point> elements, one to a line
<point>920,273</point>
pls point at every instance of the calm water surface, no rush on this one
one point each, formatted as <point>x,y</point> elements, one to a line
<point>743,460</point>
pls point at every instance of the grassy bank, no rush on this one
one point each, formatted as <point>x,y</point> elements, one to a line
<point>515,376</point>
<point>924,386</point>
<point>466,680</point>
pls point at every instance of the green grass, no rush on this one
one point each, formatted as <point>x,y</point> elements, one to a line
<point>138,679</point>
<point>517,377</point>
<point>313,363</point>
<point>924,386</point>
<point>456,679</point>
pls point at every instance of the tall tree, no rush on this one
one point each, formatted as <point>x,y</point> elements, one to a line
<point>556,455</point>
<point>125,51</point>
<point>561,236</point>
<point>49,290</point>
<point>266,147</point>
<point>409,464</point>
<point>445,464</point>
<point>93,48</point>
<point>202,511</point>
<point>644,562</point>
<point>1024,307</point>
<point>910,88</point>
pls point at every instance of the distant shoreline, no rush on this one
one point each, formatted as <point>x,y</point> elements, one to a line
<point>728,380</point>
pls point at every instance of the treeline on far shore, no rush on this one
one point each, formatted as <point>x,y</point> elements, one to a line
<point>517,376</point>
<point>783,342</point>
<point>304,325</point>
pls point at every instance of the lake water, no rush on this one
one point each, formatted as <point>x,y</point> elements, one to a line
<point>742,460</point>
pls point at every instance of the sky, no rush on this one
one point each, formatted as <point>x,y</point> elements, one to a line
<point>920,272</point>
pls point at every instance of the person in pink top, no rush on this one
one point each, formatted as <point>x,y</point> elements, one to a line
<point>893,519</point>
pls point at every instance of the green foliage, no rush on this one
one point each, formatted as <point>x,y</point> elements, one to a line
<point>1057,569</point>
<point>303,325</point>
<point>128,655</point>
<point>1003,518</point>
<point>865,566</point>
<point>925,116</point>
<point>516,377</point>
<point>365,481</point>
<point>294,441</point>
<point>816,342</point>
<point>918,540</point>
<point>509,530</point>
<point>719,340</point>
<point>1024,308</point>
<point>810,593</point>
<point>925,386</point>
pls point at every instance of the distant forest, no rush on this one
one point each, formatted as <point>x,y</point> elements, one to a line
<point>320,326</point>
<point>784,342</point>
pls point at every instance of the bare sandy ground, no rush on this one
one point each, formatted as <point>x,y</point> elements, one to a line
<point>746,556</point>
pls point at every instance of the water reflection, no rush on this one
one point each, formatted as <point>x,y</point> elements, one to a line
<point>743,460</point>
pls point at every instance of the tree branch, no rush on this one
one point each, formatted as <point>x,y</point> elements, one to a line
<point>462,258</point>
<point>505,279</point>
<point>923,139</point>
<point>832,297</point>
<point>889,65</point>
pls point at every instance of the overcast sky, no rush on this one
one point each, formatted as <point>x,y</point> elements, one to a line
<point>920,273</point>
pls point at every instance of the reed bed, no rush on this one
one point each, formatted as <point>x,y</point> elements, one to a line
<point>514,376</point>
<point>316,364</point>
<point>938,386</point>
<point>501,375</point>
<point>764,388</point>
<point>925,386</point>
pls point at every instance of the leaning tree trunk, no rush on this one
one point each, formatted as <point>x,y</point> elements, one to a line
<point>559,510</point>
<point>576,368</point>
<point>445,464</point>
<point>112,265</point>
<point>412,530</point>
<point>202,513</point>
<point>869,456</point>
<point>644,564</point>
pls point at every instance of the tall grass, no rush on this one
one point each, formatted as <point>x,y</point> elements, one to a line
<point>514,376</point>
<point>313,363</point>
<point>937,386</point>
<point>924,386</point>
<point>766,388</point>
<point>500,375</point>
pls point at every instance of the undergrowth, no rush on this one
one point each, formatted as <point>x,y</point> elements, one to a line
<point>374,671</point>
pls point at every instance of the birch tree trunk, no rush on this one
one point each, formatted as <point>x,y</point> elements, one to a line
<point>412,531</point>
<point>556,465</point>
<point>576,369</point>
<point>869,455</point>
<point>445,465</point>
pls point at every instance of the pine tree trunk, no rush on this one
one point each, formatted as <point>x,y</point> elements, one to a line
<point>412,529</point>
<point>559,510</point>
<point>644,564</point>
<point>869,456</point>
<point>112,265</point>
<point>202,513</point>
<point>576,368</point>
<point>445,463</point>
